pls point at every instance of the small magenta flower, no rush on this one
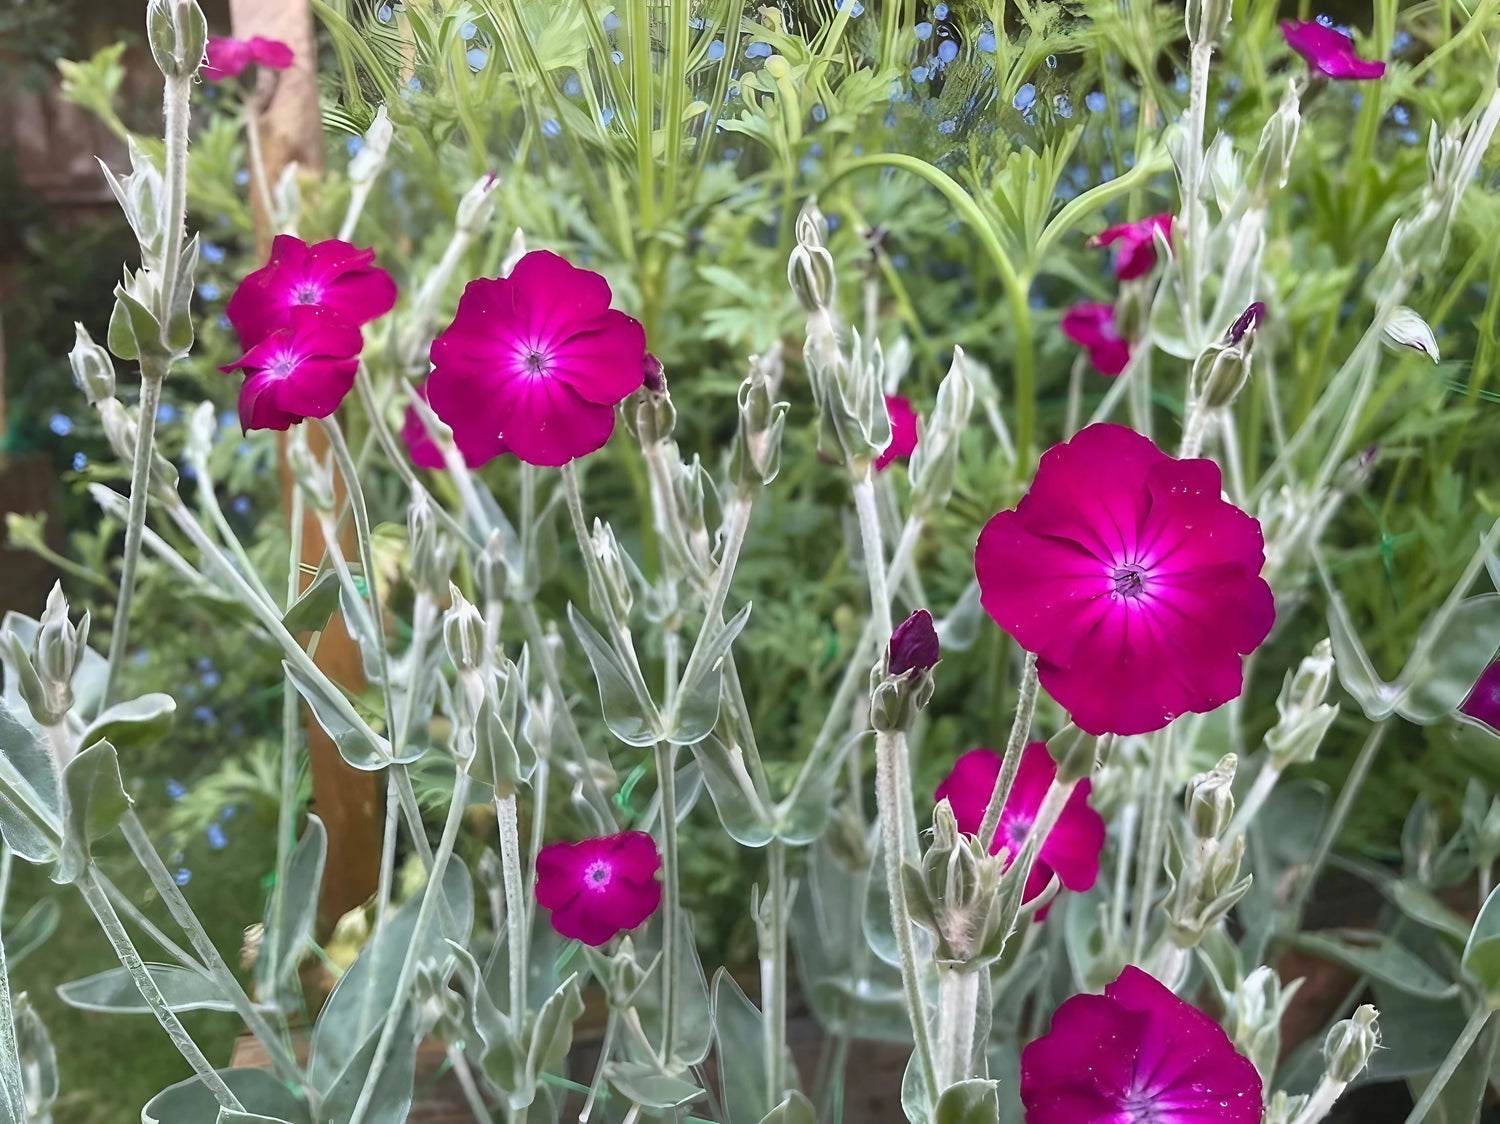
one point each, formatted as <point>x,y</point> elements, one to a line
<point>1071,849</point>
<point>1483,703</point>
<point>1137,1053</point>
<point>1328,51</point>
<point>1132,579</point>
<point>478,444</point>
<point>303,370</point>
<point>333,275</point>
<point>228,58</point>
<point>914,644</point>
<point>541,357</point>
<point>1092,327</point>
<point>598,888</point>
<point>903,431</point>
<point>1135,244</point>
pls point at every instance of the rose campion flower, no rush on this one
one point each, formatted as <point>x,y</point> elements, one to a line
<point>303,370</point>
<point>1483,703</point>
<point>1133,581</point>
<point>1329,52</point>
<point>903,431</point>
<point>228,58</point>
<point>1092,327</point>
<point>540,359</point>
<point>1136,1053</point>
<point>914,644</point>
<point>1071,849</point>
<point>332,275</point>
<point>598,888</point>
<point>478,445</point>
<point>1135,244</point>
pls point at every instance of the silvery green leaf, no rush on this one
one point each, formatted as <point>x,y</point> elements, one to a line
<point>258,1090</point>
<point>741,1052</point>
<point>31,932</point>
<point>318,602</point>
<point>357,744</point>
<point>915,1101</point>
<point>877,913</point>
<point>629,712</point>
<point>803,815</point>
<point>135,724</point>
<point>693,1027</point>
<point>1376,697</point>
<point>29,816</point>
<point>133,329</point>
<point>361,625</point>
<point>1422,906</point>
<point>114,991</point>
<point>551,1036</point>
<point>796,1109</point>
<point>958,630</point>
<point>1456,656</point>
<point>1380,958</point>
<point>392,1091</point>
<point>968,1102</point>
<point>180,318</point>
<point>38,1059</point>
<point>1415,1034</point>
<point>1481,958</point>
<point>96,803</point>
<point>697,707</point>
<point>643,1084</point>
<point>741,812</point>
<point>228,1117</point>
<point>291,912</point>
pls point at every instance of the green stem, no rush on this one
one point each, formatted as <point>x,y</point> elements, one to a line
<point>1153,839</point>
<point>666,779</point>
<point>958,1012</point>
<point>12,1084</point>
<point>515,903</point>
<point>874,551</point>
<point>1015,745</point>
<point>1341,808</point>
<point>1472,1029</point>
<point>774,975</point>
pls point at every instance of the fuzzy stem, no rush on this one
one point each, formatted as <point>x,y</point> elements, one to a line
<point>958,1006</point>
<point>12,1085</point>
<point>515,904</point>
<point>472,1096</point>
<point>666,779</point>
<point>874,550</point>
<point>1153,836</point>
<point>773,974</point>
<point>1322,1100</point>
<point>1020,731</point>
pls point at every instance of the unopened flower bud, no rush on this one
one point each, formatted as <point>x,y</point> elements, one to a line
<point>1258,1006</point>
<point>92,369</point>
<point>1349,1044</point>
<point>477,205</point>
<point>1405,330</point>
<point>374,148</point>
<point>649,413</point>
<point>56,655</point>
<point>914,645</point>
<point>1272,162</point>
<point>1210,799</point>
<point>757,446</point>
<point>934,464</point>
<point>432,553</point>
<point>178,33</point>
<point>1133,308</point>
<point>1207,20</point>
<point>1221,372</point>
<point>491,568</point>
<point>120,428</point>
<point>612,566</point>
<point>953,894</point>
<point>514,252</point>
<point>810,269</point>
<point>463,632</point>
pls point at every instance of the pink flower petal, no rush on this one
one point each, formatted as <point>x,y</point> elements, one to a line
<point>903,431</point>
<point>1072,849</point>
<point>225,58</point>
<point>475,432</point>
<point>598,888</point>
<point>968,787</point>
<point>1483,703</point>
<point>270,52</point>
<point>333,275</point>
<point>551,296</point>
<point>1328,51</point>
<point>600,363</point>
<point>545,423</point>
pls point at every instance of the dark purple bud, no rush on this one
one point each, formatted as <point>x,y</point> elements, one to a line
<point>914,644</point>
<point>1249,320</point>
<point>656,381</point>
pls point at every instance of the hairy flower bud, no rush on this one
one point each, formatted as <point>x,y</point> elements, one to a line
<point>1405,330</point>
<point>953,894</point>
<point>1221,372</point>
<point>810,269</point>
<point>615,569</point>
<point>45,674</point>
<point>1349,1044</point>
<point>1210,799</point>
<point>1304,718</point>
<point>914,645</point>
<point>178,33</point>
<point>477,205</point>
<point>935,461</point>
<point>120,428</point>
<point>1258,1005</point>
<point>432,553</point>
<point>92,369</point>
<point>649,413</point>
<point>373,150</point>
<point>1272,162</point>
<point>756,456</point>
<point>901,683</point>
<point>463,632</point>
<point>1207,20</point>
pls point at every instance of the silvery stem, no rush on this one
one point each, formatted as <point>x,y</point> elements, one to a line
<point>1322,1100</point>
<point>1020,731</point>
<point>1476,1024</point>
<point>1149,856</point>
<point>874,551</point>
<point>515,903</point>
<point>12,1084</point>
<point>958,1006</point>
<point>666,779</point>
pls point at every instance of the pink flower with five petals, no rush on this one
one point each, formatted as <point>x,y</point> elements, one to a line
<point>228,58</point>
<point>333,275</point>
<point>599,888</point>
<point>1135,244</point>
<point>1092,327</point>
<point>302,370</point>
<point>477,444</point>
<point>1329,52</point>
<point>540,358</point>
<point>1133,580</point>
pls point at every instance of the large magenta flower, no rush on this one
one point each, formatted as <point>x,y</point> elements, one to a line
<point>303,370</point>
<point>1328,51</point>
<point>1135,583</point>
<point>1135,253</point>
<point>1133,1055</point>
<point>541,358</point>
<point>332,275</point>
<point>1483,703</point>
<point>477,444</point>
<point>598,888</point>
<point>1092,327</point>
<point>228,58</point>
<point>903,431</point>
<point>1071,849</point>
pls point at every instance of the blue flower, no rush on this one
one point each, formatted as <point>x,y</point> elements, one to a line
<point>948,127</point>
<point>228,418</point>
<point>731,154</point>
<point>572,87</point>
<point>819,112</point>
<point>204,663</point>
<point>183,875</point>
<point>1025,97</point>
<point>80,462</point>
<point>223,321</point>
<point>176,790</point>
<point>815,149</point>
<point>617,57</point>
<point>216,837</point>
<point>242,177</point>
<point>611,22</point>
<point>919,74</point>
<point>1063,106</point>
<point>947,50</point>
<point>60,424</point>
<point>211,253</point>
<point>204,714</point>
<point>833,223</point>
<point>550,128</point>
<point>414,83</point>
<point>166,413</point>
<point>940,12</point>
<point>1325,19</point>
<point>228,812</point>
<point>141,657</point>
<point>606,115</point>
<point>855,12</point>
<point>1180,83</point>
<point>241,505</point>
<point>467,31</point>
<point>210,679</point>
<point>384,13</point>
<point>476,57</point>
<point>986,42</point>
<point>923,30</point>
<point>243,450</point>
<point>758,50</point>
<point>1401,115</point>
<point>354,144</point>
<point>208,291</point>
<point>186,470</point>
<point>1400,41</point>
<point>716,50</point>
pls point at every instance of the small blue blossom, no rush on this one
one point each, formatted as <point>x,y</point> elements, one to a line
<point>80,462</point>
<point>611,22</point>
<point>815,148</point>
<point>236,729</point>
<point>1409,136</point>
<point>1357,100</point>
<point>923,30</point>
<point>617,57</point>
<point>947,50</point>
<point>141,657</point>
<point>606,115</point>
<point>1400,41</point>
<point>384,13</point>
<point>855,12</point>
<point>1401,115</point>
<point>208,291</point>
<point>414,84</point>
<point>919,74</point>
<point>1025,97</point>
<point>242,177</point>
<point>228,812</point>
<point>1325,19</point>
<point>243,450</point>
<point>716,50</point>
<point>223,322</point>
<point>890,117</point>
<point>476,57</point>
<point>467,31</point>
<point>819,112</point>
<point>186,470</point>
<point>833,223</point>
<point>807,166</point>
<point>1180,83</point>
<point>948,127</point>
<point>354,145</point>
<point>696,23</point>
<point>1062,106</point>
<point>176,790</point>
<point>899,261</point>
<point>227,419</point>
<point>182,876</point>
<point>216,837</point>
<point>550,128</point>
<point>758,50</point>
<point>166,413</point>
<point>731,154</point>
<point>241,505</point>
<point>572,88</point>
<point>211,253</point>
<point>940,12</point>
<point>60,424</point>
<point>986,42</point>
<point>205,664</point>
<point>210,679</point>
<point>204,714</point>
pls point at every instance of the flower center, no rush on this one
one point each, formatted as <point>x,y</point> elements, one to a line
<point>307,293</point>
<point>1140,1107</point>
<point>535,362</point>
<point>284,365</point>
<point>1016,831</point>
<point>1130,580</point>
<point>596,875</point>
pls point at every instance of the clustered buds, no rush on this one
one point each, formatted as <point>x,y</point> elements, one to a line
<point>1204,871</point>
<point>1257,1008</point>
<point>45,673</point>
<point>756,455</point>
<point>955,895</point>
<point>432,553</point>
<point>92,369</point>
<point>490,710</point>
<point>810,269</point>
<point>1272,162</point>
<point>1303,717</point>
<point>901,683</point>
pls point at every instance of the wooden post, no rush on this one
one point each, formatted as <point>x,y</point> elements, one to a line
<point>348,800</point>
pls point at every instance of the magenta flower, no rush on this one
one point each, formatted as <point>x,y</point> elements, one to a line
<point>598,888</point>
<point>1135,583</point>
<point>1483,703</point>
<point>477,444</point>
<point>1092,327</point>
<point>1328,51</point>
<point>1071,849</point>
<point>903,431</point>
<point>541,357</point>
<point>1136,250</point>
<point>228,58</point>
<point>1136,1053</point>
<point>332,275</point>
<point>914,644</point>
<point>303,370</point>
